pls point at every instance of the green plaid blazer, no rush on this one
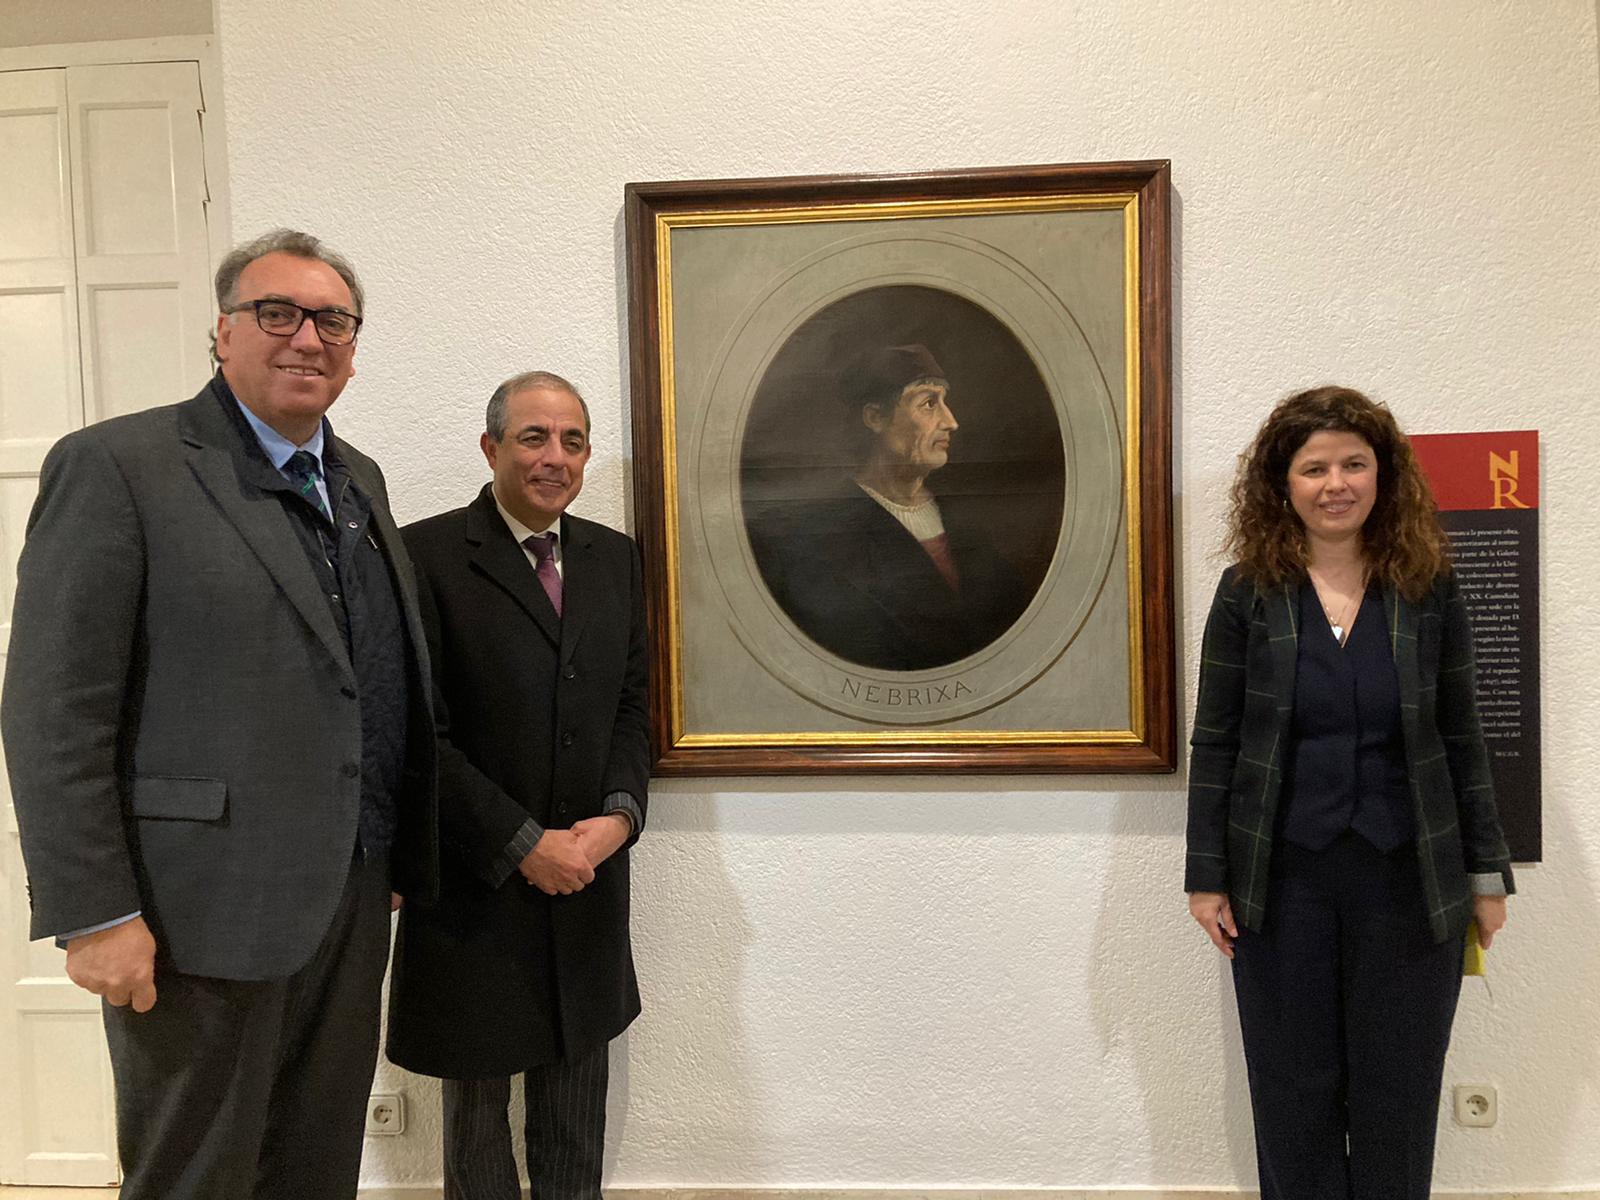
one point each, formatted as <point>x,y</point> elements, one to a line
<point>1241,738</point>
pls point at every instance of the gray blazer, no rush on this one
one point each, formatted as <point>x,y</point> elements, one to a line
<point>180,714</point>
<point>1241,736</point>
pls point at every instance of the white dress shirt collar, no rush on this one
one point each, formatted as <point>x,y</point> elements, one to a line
<point>278,448</point>
<point>522,533</point>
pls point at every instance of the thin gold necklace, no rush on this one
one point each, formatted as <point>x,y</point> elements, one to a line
<point>1340,630</point>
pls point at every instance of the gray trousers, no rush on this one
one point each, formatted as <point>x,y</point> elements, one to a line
<point>565,1130</point>
<point>228,1090</point>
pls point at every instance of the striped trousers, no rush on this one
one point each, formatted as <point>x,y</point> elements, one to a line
<point>565,1131</point>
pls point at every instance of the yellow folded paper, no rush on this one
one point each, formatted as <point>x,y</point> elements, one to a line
<point>1472,959</point>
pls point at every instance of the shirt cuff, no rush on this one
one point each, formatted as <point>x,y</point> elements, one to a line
<point>518,848</point>
<point>624,803</point>
<point>63,938</point>
<point>1490,883</point>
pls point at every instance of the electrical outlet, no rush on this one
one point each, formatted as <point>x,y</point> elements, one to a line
<point>1476,1104</point>
<point>386,1114</point>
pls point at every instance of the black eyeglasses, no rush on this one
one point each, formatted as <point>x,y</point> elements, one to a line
<point>282,319</point>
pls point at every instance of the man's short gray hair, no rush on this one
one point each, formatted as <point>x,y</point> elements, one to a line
<point>494,420</point>
<point>283,241</point>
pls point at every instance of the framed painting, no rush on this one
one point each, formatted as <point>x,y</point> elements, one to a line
<point>903,470</point>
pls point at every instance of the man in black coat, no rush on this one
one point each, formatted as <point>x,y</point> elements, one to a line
<point>217,668</point>
<point>536,622</point>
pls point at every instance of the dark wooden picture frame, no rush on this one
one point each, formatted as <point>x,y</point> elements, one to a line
<point>755,307</point>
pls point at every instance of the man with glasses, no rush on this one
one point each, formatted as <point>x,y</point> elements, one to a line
<point>218,726</point>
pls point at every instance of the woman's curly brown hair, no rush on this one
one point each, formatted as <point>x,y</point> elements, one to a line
<point>1402,540</point>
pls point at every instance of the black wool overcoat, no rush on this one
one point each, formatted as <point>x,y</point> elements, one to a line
<point>538,716</point>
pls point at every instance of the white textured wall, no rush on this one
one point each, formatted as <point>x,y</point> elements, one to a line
<point>969,981</point>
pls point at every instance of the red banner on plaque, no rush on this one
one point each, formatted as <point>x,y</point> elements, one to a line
<point>1480,472</point>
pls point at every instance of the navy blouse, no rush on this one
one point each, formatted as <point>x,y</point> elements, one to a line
<point>1347,763</point>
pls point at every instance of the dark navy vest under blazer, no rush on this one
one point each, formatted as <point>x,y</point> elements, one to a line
<point>361,594</point>
<point>1347,758</point>
<point>1243,728</point>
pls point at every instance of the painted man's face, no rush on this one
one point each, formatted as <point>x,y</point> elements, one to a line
<point>916,431</point>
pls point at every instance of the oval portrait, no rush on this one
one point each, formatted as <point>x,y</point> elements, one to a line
<point>902,478</point>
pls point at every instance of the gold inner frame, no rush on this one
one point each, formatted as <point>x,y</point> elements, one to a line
<point>889,210</point>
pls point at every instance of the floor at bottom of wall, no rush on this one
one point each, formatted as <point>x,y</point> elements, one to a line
<point>56,1193</point>
<point>914,1193</point>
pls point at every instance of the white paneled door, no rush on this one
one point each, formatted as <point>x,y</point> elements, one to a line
<point>104,309</point>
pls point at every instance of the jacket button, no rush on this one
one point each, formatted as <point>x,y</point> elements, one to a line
<point>567,739</point>
<point>350,770</point>
<point>348,692</point>
<point>569,673</point>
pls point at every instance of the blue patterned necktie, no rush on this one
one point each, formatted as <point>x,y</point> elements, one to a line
<point>543,546</point>
<point>304,472</point>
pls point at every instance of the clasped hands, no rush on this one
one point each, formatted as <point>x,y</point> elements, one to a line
<point>563,860</point>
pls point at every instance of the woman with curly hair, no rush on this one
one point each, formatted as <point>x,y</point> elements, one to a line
<point>1342,829</point>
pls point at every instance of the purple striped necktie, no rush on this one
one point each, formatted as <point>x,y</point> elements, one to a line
<point>543,546</point>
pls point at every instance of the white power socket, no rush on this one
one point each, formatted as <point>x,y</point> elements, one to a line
<point>386,1114</point>
<point>1476,1104</point>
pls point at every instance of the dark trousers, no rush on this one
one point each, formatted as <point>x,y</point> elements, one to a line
<point>229,1089</point>
<point>565,1128</point>
<point>1345,1002</point>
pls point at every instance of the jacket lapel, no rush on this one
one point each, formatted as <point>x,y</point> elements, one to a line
<point>235,481</point>
<point>1401,616</point>
<point>496,554</point>
<point>581,584</point>
<point>393,548</point>
<point>1281,608</point>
